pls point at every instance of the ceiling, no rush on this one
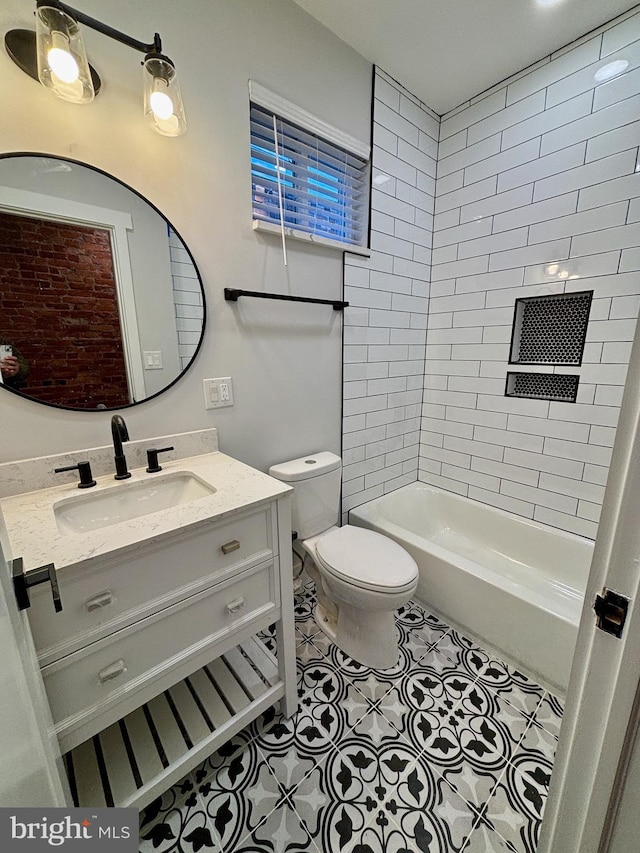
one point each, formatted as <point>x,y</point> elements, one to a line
<point>447,51</point>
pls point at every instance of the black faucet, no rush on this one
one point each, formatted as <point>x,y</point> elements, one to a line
<point>120,433</point>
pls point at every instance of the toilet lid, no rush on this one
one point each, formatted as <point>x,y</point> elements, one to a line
<point>366,559</point>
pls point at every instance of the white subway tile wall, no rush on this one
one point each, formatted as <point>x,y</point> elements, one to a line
<point>187,298</point>
<point>537,192</point>
<point>388,294</point>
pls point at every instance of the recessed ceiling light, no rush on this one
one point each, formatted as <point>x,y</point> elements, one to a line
<point>548,2</point>
<point>611,69</point>
<point>381,179</point>
<point>552,269</point>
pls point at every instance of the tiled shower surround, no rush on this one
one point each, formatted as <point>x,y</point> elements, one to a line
<point>537,192</point>
<point>448,751</point>
<point>385,325</point>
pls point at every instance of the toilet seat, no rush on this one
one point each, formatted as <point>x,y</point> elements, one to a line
<point>364,559</point>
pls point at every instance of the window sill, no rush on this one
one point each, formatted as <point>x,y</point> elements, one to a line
<point>325,242</point>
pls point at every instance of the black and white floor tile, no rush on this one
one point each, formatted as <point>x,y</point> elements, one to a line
<point>450,751</point>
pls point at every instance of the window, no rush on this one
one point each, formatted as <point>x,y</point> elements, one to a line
<point>319,188</point>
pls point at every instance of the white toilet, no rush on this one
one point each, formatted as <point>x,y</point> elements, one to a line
<point>361,577</point>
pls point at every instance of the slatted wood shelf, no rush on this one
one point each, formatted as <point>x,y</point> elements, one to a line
<point>136,759</point>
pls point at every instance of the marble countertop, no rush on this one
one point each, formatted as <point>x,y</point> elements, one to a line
<point>29,529</point>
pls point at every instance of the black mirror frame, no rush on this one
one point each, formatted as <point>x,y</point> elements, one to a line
<point>19,393</point>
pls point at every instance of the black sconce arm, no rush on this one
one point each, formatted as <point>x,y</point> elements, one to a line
<point>105,29</point>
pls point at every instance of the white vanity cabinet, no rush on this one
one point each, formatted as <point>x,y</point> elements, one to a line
<point>155,660</point>
<point>105,594</point>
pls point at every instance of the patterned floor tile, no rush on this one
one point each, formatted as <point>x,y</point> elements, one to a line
<point>333,802</point>
<point>268,638</point>
<point>373,686</point>
<point>549,714</point>
<point>382,835</point>
<point>513,686</point>
<point>307,626</point>
<point>483,839</point>
<point>237,795</point>
<point>488,725</point>
<point>378,726</point>
<point>393,708</point>
<point>291,769</point>
<point>517,805</point>
<point>309,731</point>
<point>431,693</point>
<point>329,707</point>
<point>323,644</point>
<point>415,643</point>
<point>463,653</point>
<point>418,630</point>
<point>186,829</point>
<point>474,785</point>
<point>282,831</point>
<point>430,815</point>
<point>449,750</point>
<point>540,741</point>
<point>353,669</point>
<point>381,763</point>
<point>309,650</point>
<point>175,817</point>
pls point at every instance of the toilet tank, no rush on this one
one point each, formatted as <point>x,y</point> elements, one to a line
<point>315,506</point>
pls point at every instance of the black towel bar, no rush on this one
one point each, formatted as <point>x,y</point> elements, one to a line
<point>231,294</point>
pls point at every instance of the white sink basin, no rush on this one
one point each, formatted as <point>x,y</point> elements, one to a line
<point>128,500</point>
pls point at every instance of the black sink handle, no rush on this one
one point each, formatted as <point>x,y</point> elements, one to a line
<point>84,469</point>
<point>152,458</point>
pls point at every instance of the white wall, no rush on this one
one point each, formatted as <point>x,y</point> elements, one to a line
<point>538,172</point>
<point>385,324</point>
<point>285,360</point>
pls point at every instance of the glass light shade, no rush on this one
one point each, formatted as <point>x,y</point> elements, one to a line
<point>162,99</point>
<point>62,61</point>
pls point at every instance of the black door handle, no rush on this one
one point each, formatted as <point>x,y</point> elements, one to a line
<point>22,581</point>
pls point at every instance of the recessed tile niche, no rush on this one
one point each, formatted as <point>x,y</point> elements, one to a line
<point>550,329</point>
<point>543,386</point>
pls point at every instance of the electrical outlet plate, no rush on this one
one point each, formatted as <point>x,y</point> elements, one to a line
<point>217,392</point>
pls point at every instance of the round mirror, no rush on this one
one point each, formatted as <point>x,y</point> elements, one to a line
<point>101,303</point>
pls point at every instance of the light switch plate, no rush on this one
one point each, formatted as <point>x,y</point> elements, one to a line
<point>217,392</point>
<point>152,359</point>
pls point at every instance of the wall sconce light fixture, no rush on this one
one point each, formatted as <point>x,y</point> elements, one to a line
<point>55,56</point>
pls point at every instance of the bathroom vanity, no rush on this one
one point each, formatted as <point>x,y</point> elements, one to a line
<point>166,580</point>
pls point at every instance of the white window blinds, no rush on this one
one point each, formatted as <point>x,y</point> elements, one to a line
<point>320,187</point>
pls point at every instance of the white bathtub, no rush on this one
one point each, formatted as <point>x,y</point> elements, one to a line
<point>515,584</point>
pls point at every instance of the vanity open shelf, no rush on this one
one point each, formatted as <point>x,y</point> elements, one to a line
<point>137,758</point>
